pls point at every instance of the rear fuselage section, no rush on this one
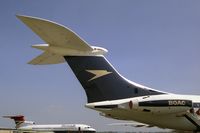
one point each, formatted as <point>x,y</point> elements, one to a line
<point>165,111</point>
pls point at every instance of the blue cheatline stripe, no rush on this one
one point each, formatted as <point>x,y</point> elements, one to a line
<point>167,103</point>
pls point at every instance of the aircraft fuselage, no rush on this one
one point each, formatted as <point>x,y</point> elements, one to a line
<point>165,111</point>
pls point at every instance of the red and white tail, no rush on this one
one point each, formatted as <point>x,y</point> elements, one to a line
<point>19,119</point>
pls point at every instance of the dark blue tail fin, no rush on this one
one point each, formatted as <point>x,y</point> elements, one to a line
<point>101,81</point>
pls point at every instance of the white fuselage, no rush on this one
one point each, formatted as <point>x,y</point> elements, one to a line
<point>171,116</point>
<point>56,128</point>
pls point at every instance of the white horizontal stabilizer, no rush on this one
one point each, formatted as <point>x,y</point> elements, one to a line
<point>55,34</point>
<point>60,41</point>
<point>47,58</point>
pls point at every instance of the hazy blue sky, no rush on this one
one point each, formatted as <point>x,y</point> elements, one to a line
<point>152,42</point>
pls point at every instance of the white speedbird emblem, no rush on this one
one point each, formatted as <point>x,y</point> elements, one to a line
<point>98,73</point>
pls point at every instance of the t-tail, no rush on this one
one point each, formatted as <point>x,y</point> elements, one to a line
<point>19,120</point>
<point>98,77</point>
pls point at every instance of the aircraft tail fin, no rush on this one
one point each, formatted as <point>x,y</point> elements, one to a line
<point>97,76</point>
<point>102,82</point>
<point>19,119</point>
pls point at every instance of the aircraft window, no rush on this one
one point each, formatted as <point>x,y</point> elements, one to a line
<point>196,105</point>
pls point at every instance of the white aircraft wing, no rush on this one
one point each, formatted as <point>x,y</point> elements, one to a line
<point>55,34</point>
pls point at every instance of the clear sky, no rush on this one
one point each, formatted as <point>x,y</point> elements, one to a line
<point>152,42</point>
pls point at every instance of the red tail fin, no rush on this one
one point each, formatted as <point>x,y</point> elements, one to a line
<point>19,119</point>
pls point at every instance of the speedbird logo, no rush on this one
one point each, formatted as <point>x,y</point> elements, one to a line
<point>98,73</point>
